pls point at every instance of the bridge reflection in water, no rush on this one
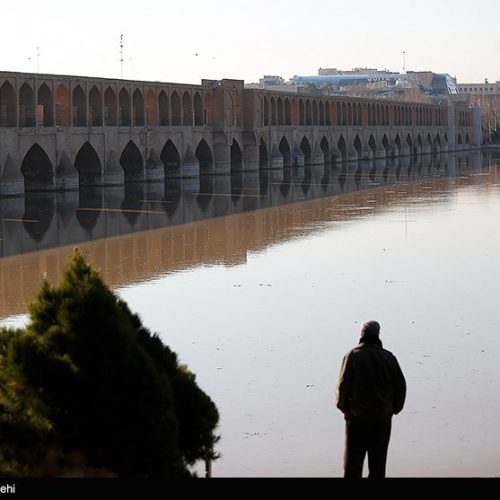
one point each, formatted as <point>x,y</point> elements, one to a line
<point>135,232</point>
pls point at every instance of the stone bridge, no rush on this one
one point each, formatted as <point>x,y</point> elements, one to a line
<point>61,132</point>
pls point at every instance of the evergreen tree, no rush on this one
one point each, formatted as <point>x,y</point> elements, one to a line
<point>86,389</point>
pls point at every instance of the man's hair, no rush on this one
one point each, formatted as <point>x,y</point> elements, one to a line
<point>370,329</point>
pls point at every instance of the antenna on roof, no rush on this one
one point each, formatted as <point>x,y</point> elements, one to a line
<point>404,62</point>
<point>121,56</point>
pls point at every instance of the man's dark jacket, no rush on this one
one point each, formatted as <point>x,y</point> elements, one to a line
<point>371,383</point>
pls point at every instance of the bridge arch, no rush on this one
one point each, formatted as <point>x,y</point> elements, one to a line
<point>328,119</point>
<point>373,145</point>
<point>397,142</point>
<point>132,162</point>
<point>286,152</point>
<point>175,108</point>
<point>110,108</point>
<point>88,166</point>
<point>315,117</point>
<point>151,109</point>
<point>272,103</point>
<point>308,112</point>
<point>124,108</point>
<point>281,112</point>
<point>163,109</point>
<point>198,110</point>
<point>204,156</point>
<point>62,105</point>
<point>209,109</point>
<point>171,159</point>
<point>358,146</point>
<point>467,139</point>
<point>187,109</point>
<point>7,105</point>
<point>138,108</point>
<point>266,112</point>
<point>95,107</point>
<point>339,114</point>
<point>45,106</point>
<point>302,113</point>
<point>306,150</point>
<point>26,106</point>
<point>288,114</point>
<point>321,113</point>
<point>325,148</point>
<point>409,142</point>
<point>79,107</point>
<point>386,144</point>
<point>37,170</point>
<point>236,156</point>
<point>342,146</point>
<point>418,149</point>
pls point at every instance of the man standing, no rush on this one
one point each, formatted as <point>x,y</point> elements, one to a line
<point>370,391</point>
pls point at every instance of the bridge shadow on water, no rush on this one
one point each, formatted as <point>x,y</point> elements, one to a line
<point>41,220</point>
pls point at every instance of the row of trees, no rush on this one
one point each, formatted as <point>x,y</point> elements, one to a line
<point>87,390</point>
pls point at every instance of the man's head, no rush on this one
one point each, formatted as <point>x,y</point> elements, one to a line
<point>370,329</point>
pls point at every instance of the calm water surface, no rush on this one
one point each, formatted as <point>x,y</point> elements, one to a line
<point>262,304</point>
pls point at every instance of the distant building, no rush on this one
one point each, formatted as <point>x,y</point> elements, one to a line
<point>485,89</point>
<point>273,82</point>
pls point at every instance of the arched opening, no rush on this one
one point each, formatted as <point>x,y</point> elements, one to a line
<point>288,115</point>
<point>409,142</point>
<point>132,162</point>
<point>45,107</point>
<point>339,114</point>
<point>397,142</point>
<point>110,108</point>
<point>175,104</point>
<point>302,115</point>
<point>209,111</point>
<point>263,155</point>
<point>344,114</point>
<point>349,114</point>
<point>88,166</point>
<point>429,140</point>
<point>163,109</point>
<point>37,170</point>
<point>63,115</point>
<point>358,146</point>
<point>325,147</point>
<point>306,150</point>
<point>170,157</point>
<point>26,106</point>
<point>204,157</point>
<point>198,110</point>
<point>236,156</point>
<point>273,111</point>
<point>419,145</point>
<point>321,113</point>
<point>7,105</point>
<point>95,107</point>
<point>438,139</point>
<point>266,112</point>
<point>187,110</point>
<point>459,140</point>
<point>286,152</point>
<point>281,112</point>
<point>79,107</point>
<point>295,119</point>
<point>138,108</point>
<point>124,108</point>
<point>373,145</point>
<point>386,144</point>
<point>151,112</point>
<point>341,144</point>
<point>308,113</point>
<point>328,120</point>
<point>315,116</point>
<point>467,139</point>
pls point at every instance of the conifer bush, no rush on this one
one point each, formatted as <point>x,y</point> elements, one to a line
<point>87,390</point>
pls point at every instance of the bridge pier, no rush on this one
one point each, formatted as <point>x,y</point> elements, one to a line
<point>222,163</point>
<point>190,165</point>
<point>113,172</point>
<point>155,170</point>
<point>11,180</point>
<point>66,176</point>
<point>299,159</point>
<point>251,158</point>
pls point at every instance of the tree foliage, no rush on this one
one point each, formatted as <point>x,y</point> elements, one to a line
<point>86,389</point>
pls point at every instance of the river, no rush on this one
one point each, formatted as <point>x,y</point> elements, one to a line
<point>261,283</point>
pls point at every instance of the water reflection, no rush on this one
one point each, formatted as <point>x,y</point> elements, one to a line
<point>180,223</point>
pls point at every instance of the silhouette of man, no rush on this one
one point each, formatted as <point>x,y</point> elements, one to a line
<point>370,391</point>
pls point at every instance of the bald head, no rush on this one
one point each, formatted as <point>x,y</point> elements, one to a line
<point>370,329</point>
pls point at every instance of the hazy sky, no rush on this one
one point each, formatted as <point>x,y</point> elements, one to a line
<point>186,41</point>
